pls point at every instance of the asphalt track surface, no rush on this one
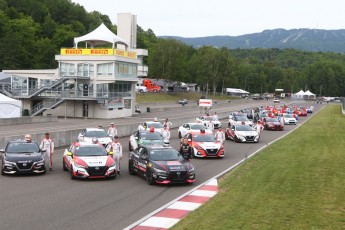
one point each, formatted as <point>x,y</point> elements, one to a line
<point>54,201</point>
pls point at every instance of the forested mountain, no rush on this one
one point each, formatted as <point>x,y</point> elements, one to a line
<point>302,39</point>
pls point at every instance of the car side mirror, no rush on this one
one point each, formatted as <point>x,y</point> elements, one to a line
<point>70,154</point>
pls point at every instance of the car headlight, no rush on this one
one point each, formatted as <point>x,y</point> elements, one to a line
<point>191,171</point>
<point>79,166</point>
<point>8,162</point>
<point>158,170</point>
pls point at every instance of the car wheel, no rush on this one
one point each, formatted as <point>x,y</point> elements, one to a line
<point>236,139</point>
<point>130,146</point>
<point>227,137</point>
<point>130,168</point>
<point>179,135</point>
<point>149,178</point>
<point>64,166</point>
<point>140,91</point>
<point>3,172</point>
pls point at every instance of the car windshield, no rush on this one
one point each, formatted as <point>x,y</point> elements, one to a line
<point>96,133</point>
<point>211,118</point>
<point>242,118</point>
<point>164,155</point>
<point>157,125</point>
<point>288,115</point>
<point>271,120</point>
<point>203,138</point>
<point>244,128</point>
<point>22,148</point>
<point>90,151</point>
<point>150,136</point>
<point>197,126</point>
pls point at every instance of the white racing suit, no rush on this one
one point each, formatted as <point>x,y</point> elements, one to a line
<point>220,136</point>
<point>116,148</point>
<point>48,145</point>
<point>165,134</point>
<point>112,131</point>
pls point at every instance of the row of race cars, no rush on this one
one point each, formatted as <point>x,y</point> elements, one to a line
<point>150,155</point>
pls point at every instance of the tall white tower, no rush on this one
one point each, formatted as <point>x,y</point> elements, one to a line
<point>127,29</point>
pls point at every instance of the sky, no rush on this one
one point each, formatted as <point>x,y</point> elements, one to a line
<point>199,18</point>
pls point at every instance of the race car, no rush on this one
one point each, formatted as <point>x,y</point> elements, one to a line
<point>207,119</point>
<point>301,112</point>
<point>144,137</point>
<point>149,124</point>
<point>242,133</point>
<point>89,133</point>
<point>273,124</point>
<point>161,165</point>
<point>85,160</point>
<point>309,109</point>
<point>187,127</point>
<point>289,119</point>
<point>204,145</point>
<point>239,120</point>
<point>21,157</point>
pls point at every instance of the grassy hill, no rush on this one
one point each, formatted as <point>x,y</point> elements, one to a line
<point>295,183</point>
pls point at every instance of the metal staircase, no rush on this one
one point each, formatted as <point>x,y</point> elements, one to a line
<point>46,104</point>
<point>44,88</point>
<point>5,88</point>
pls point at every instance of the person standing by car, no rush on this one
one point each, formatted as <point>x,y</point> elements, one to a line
<point>112,130</point>
<point>47,144</point>
<point>167,123</point>
<point>259,127</point>
<point>28,138</point>
<point>220,136</point>
<point>186,149</point>
<point>165,133</point>
<point>116,148</point>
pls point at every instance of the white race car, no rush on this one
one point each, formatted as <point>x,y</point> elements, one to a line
<point>207,120</point>
<point>205,145</point>
<point>89,133</point>
<point>242,133</point>
<point>239,120</point>
<point>289,119</point>
<point>187,127</point>
<point>148,124</point>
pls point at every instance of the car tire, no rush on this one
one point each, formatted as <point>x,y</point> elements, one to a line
<point>130,146</point>
<point>227,137</point>
<point>179,135</point>
<point>64,166</point>
<point>149,178</point>
<point>3,172</point>
<point>130,169</point>
<point>236,139</point>
<point>141,91</point>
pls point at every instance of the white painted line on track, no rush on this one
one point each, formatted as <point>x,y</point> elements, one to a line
<point>181,205</point>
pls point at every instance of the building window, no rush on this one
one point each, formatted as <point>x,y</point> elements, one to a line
<point>19,85</point>
<point>125,70</point>
<point>66,69</point>
<point>127,103</point>
<point>85,70</point>
<point>105,69</point>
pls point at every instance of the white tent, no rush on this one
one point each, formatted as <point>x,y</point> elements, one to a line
<point>309,95</point>
<point>9,107</point>
<point>101,35</point>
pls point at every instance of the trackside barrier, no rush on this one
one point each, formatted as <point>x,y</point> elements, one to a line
<point>66,137</point>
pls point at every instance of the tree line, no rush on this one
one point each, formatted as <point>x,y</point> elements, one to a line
<point>33,31</point>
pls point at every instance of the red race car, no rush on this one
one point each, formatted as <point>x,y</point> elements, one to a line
<point>273,124</point>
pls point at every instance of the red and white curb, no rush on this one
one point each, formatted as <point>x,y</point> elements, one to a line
<point>174,212</point>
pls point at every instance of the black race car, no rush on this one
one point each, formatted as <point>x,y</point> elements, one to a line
<point>161,165</point>
<point>21,157</point>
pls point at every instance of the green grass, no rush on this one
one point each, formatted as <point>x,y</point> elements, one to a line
<point>295,183</point>
<point>165,97</point>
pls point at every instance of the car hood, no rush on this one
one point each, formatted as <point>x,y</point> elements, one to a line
<point>172,166</point>
<point>289,119</point>
<point>273,123</point>
<point>207,145</point>
<point>92,161</point>
<point>247,133</point>
<point>25,157</point>
<point>245,122</point>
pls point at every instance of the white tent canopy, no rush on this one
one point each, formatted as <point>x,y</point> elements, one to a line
<point>101,35</point>
<point>300,93</point>
<point>304,95</point>
<point>9,107</point>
